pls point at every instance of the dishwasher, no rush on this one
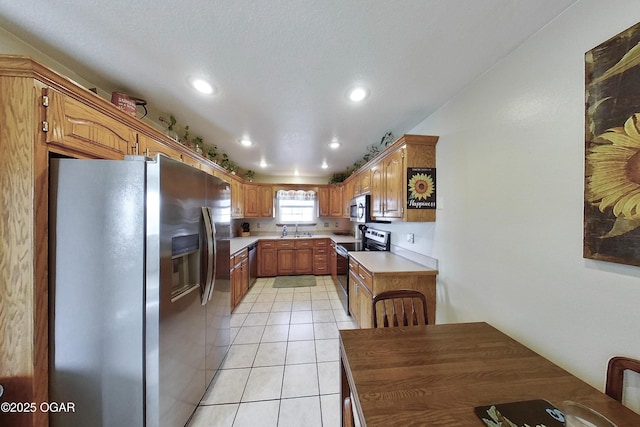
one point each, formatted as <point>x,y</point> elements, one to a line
<point>253,264</point>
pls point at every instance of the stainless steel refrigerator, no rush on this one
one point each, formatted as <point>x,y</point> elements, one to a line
<point>139,289</point>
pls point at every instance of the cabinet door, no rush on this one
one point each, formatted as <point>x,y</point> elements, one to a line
<point>335,203</point>
<point>304,261</point>
<point>267,262</point>
<point>244,277</point>
<point>365,299</point>
<point>191,161</point>
<point>365,181</point>
<point>347,195</point>
<point>333,263</point>
<point>393,186</point>
<point>234,285</point>
<point>79,128</point>
<point>150,147</point>
<point>286,262</point>
<point>324,202</point>
<point>237,199</point>
<point>376,190</point>
<point>251,197</point>
<point>266,201</point>
<point>354,302</point>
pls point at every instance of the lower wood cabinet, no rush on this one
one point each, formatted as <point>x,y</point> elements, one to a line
<point>360,294</point>
<point>321,256</point>
<point>239,276</point>
<point>267,258</point>
<point>287,257</point>
<point>295,257</point>
<point>363,285</point>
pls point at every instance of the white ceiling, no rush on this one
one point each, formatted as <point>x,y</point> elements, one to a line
<point>282,67</point>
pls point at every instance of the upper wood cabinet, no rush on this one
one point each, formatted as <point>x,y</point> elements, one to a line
<point>364,181</point>
<point>150,147</point>
<point>237,198</point>
<point>77,128</point>
<point>191,161</point>
<point>330,201</point>
<point>335,201</point>
<point>258,201</point>
<point>265,201</point>
<point>347,195</point>
<point>388,178</point>
<point>392,200</point>
<point>251,204</point>
<point>324,202</point>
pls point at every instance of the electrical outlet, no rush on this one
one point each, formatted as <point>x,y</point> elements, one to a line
<point>410,237</point>
<point>336,225</point>
<point>258,225</point>
<point>326,224</point>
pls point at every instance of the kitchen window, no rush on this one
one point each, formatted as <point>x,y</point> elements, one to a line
<point>296,207</point>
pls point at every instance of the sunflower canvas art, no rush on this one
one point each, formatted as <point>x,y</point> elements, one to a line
<point>612,150</point>
<point>421,188</point>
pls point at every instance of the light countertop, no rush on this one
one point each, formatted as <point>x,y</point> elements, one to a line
<point>387,262</point>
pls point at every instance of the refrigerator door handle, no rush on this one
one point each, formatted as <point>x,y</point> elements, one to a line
<point>210,243</point>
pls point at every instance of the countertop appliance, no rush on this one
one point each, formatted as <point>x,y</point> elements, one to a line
<point>139,312</point>
<point>360,209</point>
<point>372,240</point>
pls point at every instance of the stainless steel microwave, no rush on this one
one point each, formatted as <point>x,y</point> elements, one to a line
<point>360,209</point>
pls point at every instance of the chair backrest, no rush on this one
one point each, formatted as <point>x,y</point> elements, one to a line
<point>615,375</point>
<point>347,413</point>
<point>401,307</point>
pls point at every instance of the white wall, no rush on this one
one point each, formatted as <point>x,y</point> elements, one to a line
<point>510,174</point>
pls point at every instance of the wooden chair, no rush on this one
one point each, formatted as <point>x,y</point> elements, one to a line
<point>615,375</point>
<point>401,307</point>
<point>347,410</point>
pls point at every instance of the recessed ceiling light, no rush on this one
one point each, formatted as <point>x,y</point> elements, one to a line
<point>295,172</point>
<point>357,94</point>
<point>334,144</point>
<point>324,165</point>
<point>246,142</point>
<point>263,164</point>
<point>202,86</point>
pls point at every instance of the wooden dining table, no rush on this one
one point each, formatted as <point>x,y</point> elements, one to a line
<point>436,375</point>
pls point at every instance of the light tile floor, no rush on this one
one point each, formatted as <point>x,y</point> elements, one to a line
<point>282,368</point>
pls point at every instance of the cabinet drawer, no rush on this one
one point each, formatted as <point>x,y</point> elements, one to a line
<point>285,244</point>
<point>353,265</point>
<point>320,251</point>
<point>366,278</point>
<point>300,244</point>
<point>240,256</point>
<point>320,268</point>
<point>320,243</point>
<point>266,244</point>
<point>320,258</point>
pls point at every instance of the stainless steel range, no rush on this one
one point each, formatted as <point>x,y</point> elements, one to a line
<point>372,240</point>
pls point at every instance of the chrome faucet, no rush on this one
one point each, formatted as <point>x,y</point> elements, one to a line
<point>284,231</point>
<point>296,229</point>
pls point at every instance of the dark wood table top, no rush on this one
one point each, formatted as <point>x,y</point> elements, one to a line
<point>435,375</point>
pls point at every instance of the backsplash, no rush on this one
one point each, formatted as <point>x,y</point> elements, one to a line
<point>268,227</point>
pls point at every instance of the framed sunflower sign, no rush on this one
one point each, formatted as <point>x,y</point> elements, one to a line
<point>612,150</point>
<point>421,188</point>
